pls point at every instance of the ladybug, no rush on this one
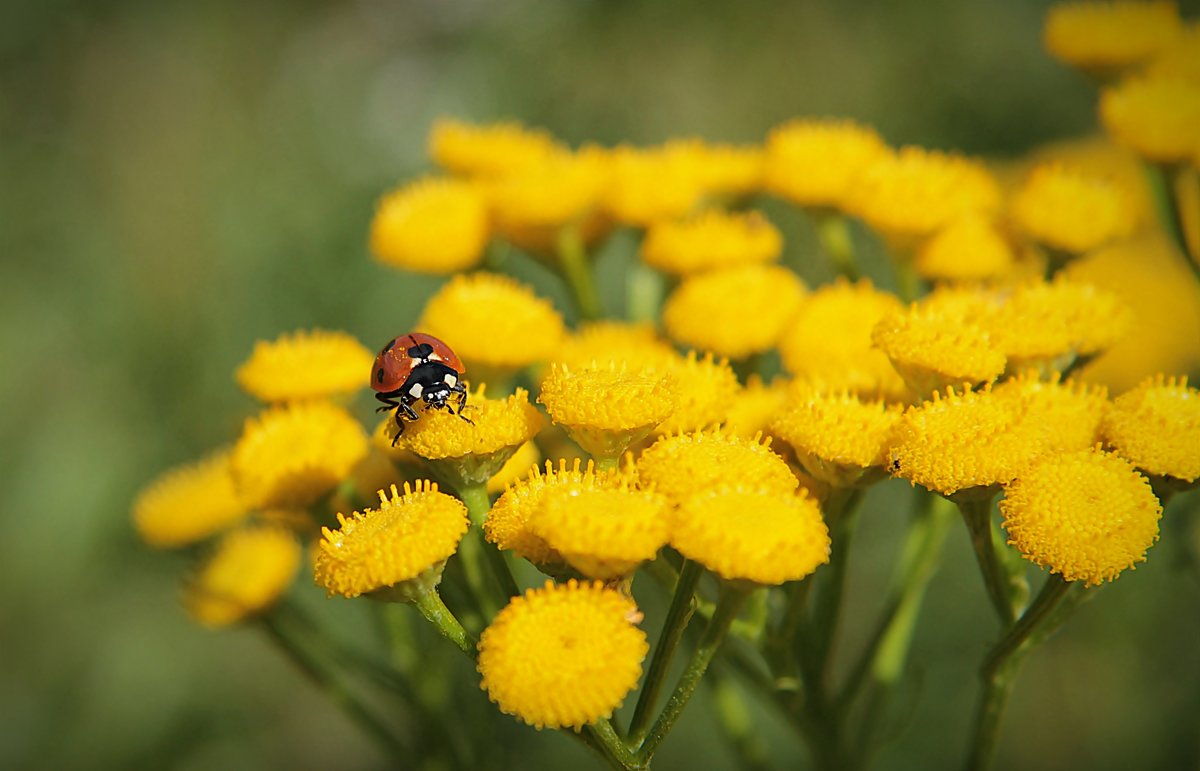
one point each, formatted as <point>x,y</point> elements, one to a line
<point>418,367</point>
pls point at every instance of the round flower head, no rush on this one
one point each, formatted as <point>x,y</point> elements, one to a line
<point>556,190</point>
<point>1155,117</point>
<point>433,225</point>
<point>1105,36</point>
<point>1068,413</point>
<point>837,437</point>
<point>1087,515</point>
<point>1157,427</point>
<point>603,532</point>
<point>723,169</point>
<point>245,575</point>
<point>828,341</point>
<point>600,343</point>
<point>492,321</point>
<point>703,387</point>
<point>931,350</point>
<point>607,408</point>
<point>712,239</point>
<point>753,533</point>
<point>969,248</point>
<point>515,468</point>
<point>1147,274</point>
<point>814,162</point>
<point>962,440</point>
<point>916,192</point>
<point>647,185</point>
<point>304,365</point>
<point>488,150</point>
<point>684,464</point>
<point>474,451</point>
<point>508,523</point>
<point>1045,325</point>
<point>397,550</point>
<point>292,455</point>
<point>1070,211</point>
<point>735,312</point>
<point>564,655</point>
<point>188,503</point>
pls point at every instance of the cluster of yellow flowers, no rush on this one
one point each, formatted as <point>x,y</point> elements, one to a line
<point>970,387</point>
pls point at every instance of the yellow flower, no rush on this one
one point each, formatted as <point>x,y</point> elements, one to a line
<point>932,350</point>
<point>1157,427</point>
<point>651,184</point>
<point>433,225</point>
<point>1071,211</point>
<point>703,388</point>
<point>188,503</point>
<point>837,437</point>
<point>244,576</point>
<point>1046,325</point>
<point>1149,276</point>
<point>735,312</point>
<point>488,150</point>
<point>1087,515</point>
<point>508,523</point>
<point>1099,156</point>
<point>722,169</point>
<point>828,342</point>
<point>600,343</point>
<point>607,408</point>
<point>400,547</point>
<point>603,532</point>
<point>292,455</point>
<point>1102,36</point>
<point>682,465</point>
<point>916,192</point>
<point>564,655</point>
<point>305,365</point>
<point>964,439</point>
<point>493,322</point>
<point>756,406</point>
<point>711,239</point>
<point>969,248</point>
<point>556,190</point>
<point>1068,413</point>
<point>1156,117</point>
<point>523,461</point>
<point>475,451</point>
<point>814,162</point>
<point>753,533</point>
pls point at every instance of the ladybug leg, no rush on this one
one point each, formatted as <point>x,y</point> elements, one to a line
<point>404,411</point>
<point>460,398</point>
<point>389,399</point>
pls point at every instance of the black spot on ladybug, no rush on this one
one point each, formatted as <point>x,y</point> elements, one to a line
<point>379,373</point>
<point>388,347</point>
<point>422,351</point>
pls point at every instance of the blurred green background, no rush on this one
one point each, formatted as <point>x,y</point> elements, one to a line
<point>180,180</point>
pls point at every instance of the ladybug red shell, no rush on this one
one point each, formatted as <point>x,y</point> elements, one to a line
<point>418,368</point>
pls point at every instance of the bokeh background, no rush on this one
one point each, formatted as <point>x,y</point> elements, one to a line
<point>181,179</point>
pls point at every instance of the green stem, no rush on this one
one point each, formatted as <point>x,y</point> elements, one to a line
<point>614,748</point>
<point>678,615</point>
<point>1162,180</point>
<point>476,499</point>
<point>729,602</point>
<point>841,513</point>
<point>737,722</point>
<point>644,290</point>
<point>833,230</point>
<point>885,654</point>
<point>1000,668</point>
<point>325,675</point>
<point>976,512</point>
<point>577,270</point>
<point>435,612</point>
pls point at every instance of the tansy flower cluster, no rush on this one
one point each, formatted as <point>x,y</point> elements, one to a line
<point>708,445</point>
